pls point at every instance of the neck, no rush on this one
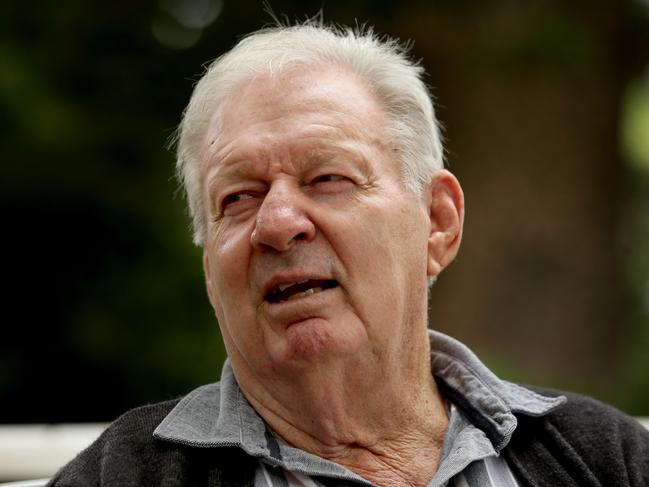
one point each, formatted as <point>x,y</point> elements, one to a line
<point>385,423</point>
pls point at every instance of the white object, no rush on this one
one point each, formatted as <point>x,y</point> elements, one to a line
<point>39,450</point>
<point>26,483</point>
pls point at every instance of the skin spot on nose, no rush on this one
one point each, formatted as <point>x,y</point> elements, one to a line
<point>274,217</point>
<point>280,222</point>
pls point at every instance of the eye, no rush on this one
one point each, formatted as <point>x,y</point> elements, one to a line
<point>330,184</point>
<point>234,200</point>
<point>328,178</point>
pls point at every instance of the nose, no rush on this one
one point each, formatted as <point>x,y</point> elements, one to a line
<point>281,221</point>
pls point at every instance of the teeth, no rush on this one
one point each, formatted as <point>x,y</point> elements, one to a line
<point>282,287</point>
<point>312,290</point>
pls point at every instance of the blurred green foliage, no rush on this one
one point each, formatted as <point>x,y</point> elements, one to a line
<point>635,144</point>
<point>635,124</point>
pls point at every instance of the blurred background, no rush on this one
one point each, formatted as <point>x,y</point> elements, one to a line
<point>546,112</point>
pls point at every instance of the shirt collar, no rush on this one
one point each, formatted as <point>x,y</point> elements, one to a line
<point>219,415</point>
<point>489,403</point>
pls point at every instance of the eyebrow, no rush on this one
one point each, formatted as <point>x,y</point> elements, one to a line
<point>214,176</point>
<point>226,175</point>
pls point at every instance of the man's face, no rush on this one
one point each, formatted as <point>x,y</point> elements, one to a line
<point>315,251</point>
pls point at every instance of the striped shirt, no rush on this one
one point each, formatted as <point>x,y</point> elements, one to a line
<point>491,471</point>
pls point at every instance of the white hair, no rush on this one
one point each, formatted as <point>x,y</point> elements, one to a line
<point>382,63</point>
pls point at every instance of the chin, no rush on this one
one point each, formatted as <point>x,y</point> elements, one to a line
<point>311,341</point>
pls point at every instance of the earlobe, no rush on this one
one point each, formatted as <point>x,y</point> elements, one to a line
<point>446,213</point>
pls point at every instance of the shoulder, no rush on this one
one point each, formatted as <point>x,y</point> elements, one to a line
<point>585,419</point>
<point>120,450</point>
<point>596,438</point>
<point>141,421</point>
<point>128,454</point>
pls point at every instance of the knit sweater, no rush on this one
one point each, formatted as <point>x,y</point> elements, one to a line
<point>582,443</point>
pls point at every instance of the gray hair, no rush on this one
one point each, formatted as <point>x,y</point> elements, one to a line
<point>382,62</point>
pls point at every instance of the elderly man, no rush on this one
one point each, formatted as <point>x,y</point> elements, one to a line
<point>313,169</point>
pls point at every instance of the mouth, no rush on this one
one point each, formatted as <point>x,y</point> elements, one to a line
<point>300,289</point>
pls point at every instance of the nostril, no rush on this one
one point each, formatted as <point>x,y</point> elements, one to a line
<point>300,236</point>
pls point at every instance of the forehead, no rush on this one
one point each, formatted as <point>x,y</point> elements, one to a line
<point>323,105</point>
<point>297,89</point>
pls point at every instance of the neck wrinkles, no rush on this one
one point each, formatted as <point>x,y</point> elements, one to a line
<point>386,427</point>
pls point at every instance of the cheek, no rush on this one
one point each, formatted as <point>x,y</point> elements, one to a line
<point>392,248</point>
<point>229,261</point>
<point>229,281</point>
<point>229,254</point>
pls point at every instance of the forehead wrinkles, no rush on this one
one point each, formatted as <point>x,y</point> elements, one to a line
<point>294,141</point>
<point>251,152</point>
<point>328,105</point>
<point>263,162</point>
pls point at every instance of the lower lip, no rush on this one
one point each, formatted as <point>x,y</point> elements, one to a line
<point>302,308</point>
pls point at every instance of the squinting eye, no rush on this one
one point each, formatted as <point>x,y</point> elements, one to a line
<point>327,178</point>
<point>234,198</point>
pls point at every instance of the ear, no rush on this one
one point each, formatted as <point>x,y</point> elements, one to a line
<point>208,279</point>
<point>446,212</point>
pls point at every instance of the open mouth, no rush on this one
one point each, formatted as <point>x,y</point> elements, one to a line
<point>288,292</point>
